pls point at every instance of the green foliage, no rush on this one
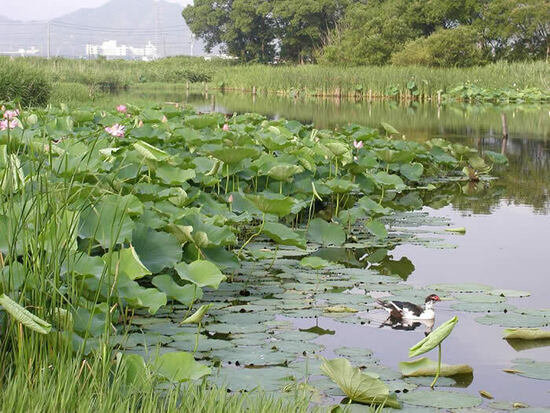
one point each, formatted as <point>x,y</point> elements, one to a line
<point>26,85</point>
<point>457,47</point>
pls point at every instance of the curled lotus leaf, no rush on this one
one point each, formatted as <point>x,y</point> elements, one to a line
<point>434,338</point>
<point>426,367</point>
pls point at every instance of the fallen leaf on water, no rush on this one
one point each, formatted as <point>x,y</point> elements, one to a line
<point>486,394</point>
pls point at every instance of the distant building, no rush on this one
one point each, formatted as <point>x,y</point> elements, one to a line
<point>21,52</point>
<point>110,49</point>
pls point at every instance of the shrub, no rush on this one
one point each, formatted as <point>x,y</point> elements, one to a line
<point>456,47</point>
<point>20,82</point>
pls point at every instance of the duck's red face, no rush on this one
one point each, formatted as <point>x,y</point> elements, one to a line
<point>433,297</point>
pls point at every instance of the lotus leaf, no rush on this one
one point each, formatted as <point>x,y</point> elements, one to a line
<point>185,294</point>
<point>440,399</point>
<point>126,262</point>
<point>171,175</point>
<point>156,250</point>
<point>270,203</point>
<point>412,171</point>
<point>23,316</point>
<point>358,386</point>
<point>531,368</point>
<point>201,273</point>
<point>434,338</point>
<point>150,152</point>
<point>513,320</point>
<point>510,293</point>
<point>284,172</point>
<point>283,235</point>
<point>377,228</point>
<point>135,370</point>
<point>426,367</point>
<point>526,334</point>
<point>235,155</point>
<point>315,263</point>
<point>179,367</point>
<point>197,316</point>
<point>326,233</point>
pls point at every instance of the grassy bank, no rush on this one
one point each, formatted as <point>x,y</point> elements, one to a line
<point>505,82</point>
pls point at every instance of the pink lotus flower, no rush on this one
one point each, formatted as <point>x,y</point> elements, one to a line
<point>10,114</point>
<point>164,119</point>
<point>8,124</point>
<point>230,199</point>
<point>121,108</point>
<point>357,145</point>
<point>116,130</point>
<point>225,127</point>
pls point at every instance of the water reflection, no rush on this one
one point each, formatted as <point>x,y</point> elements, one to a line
<point>396,323</point>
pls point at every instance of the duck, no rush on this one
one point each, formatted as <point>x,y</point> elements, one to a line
<point>403,310</point>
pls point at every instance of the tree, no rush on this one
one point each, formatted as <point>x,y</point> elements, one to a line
<point>458,47</point>
<point>243,28</point>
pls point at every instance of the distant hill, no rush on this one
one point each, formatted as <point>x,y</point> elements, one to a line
<point>129,22</point>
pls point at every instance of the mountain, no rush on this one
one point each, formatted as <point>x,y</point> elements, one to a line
<point>133,23</point>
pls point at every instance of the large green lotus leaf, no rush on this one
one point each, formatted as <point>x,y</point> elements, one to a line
<point>135,370</point>
<point>172,175</point>
<point>233,155</point>
<point>482,307</point>
<point>126,262</point>
<point>270,203</point>
<point>514,320</point>
<point>326,233</point>
<point>531,368</point>
<point>156,250</point>
<point>88,266</point>
<point>202,121</point>
<point>185,294</point>
<point>526,334</point>
<point>284,172</point>
<point>373,207</point>
<point>150,152</point>
<point>338,149</point>
<point>440,399</point>
<point>201,273</point>
<point>387,180</point>
<point>377,228</point>
<point>340,186</point>
<point>12,277</point>
<point>440,156</point>
<point>283,235</point>
<point>358,386</point>
<point>137,296</point>
<point>478,298</point>
<point>217,235</point>
<point>426,367</point>
<point>434,338</point>
<point>87,322</point>
<point>107,221</point>
<point>179,366</point>
<point>315,263</point>
<point>412,171</point>
<point>224,259</point>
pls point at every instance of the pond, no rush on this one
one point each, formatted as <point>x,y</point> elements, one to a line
<point>507,238</point>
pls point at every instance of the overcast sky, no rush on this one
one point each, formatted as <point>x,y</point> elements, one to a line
<point>49,9</point>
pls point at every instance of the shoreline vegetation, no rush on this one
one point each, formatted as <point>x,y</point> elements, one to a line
<point>81,80</point>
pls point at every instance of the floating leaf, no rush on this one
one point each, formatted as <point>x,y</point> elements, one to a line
<point>440,399</point>
<point>315,263</point>
<point>340,309</point>
<point>460,230</point>
<point>377,228</point>
<point>358,386</point>
<point>532,368</point>
<point>514,320</point>
<point>509,293</point>
<point>426,367</point>
<point>526,334</point>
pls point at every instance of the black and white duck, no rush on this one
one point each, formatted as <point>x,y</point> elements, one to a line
<point>403,310</point>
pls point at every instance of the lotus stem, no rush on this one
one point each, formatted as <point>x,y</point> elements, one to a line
<point>438,366</point>
<point>197,338</point>
<point>252,236</point>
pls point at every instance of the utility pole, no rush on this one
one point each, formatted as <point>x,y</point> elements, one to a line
<point>48,32</point>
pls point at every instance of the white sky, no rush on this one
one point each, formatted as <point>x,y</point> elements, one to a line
<point>49,9</point>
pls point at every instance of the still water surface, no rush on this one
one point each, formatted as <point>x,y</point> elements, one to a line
<point>507,243</point>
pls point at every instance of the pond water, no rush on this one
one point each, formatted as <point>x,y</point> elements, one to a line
<point>507,239</point>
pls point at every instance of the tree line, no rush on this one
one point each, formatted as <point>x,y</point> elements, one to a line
<point>439,33</point>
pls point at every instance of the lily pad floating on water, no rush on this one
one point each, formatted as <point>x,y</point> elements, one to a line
<point>514,320</point>
<point>510,293</point>
<point>267,379</point>
<point>460,230</point>
<point>441,399</point>
<point>426,367</point>
<point>531,368</point>
<point>463,287</point>
<point>526,334</point>
<point>358,386</point>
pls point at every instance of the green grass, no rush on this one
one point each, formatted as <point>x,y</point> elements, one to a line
<point>24,83</point>
<point>496,81</point>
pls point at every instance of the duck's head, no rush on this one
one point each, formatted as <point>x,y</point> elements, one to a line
<point>432,299</point>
